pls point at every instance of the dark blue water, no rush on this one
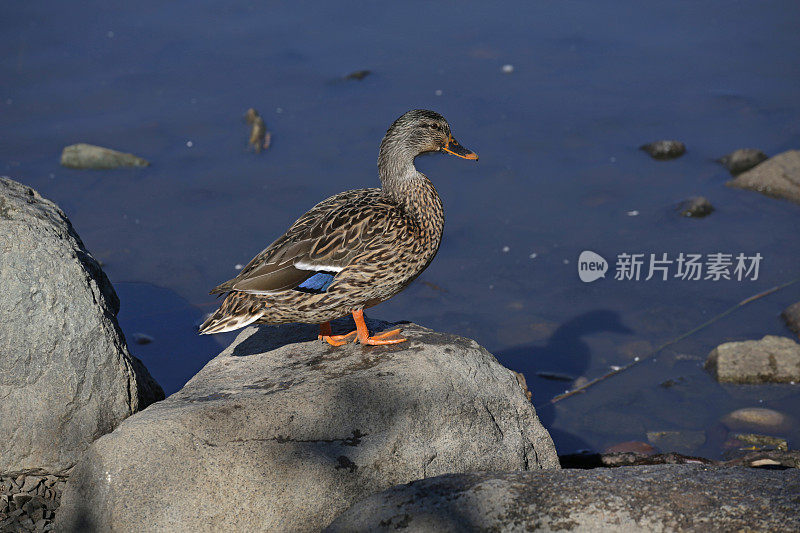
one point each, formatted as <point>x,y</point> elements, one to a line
<point>559,171</point>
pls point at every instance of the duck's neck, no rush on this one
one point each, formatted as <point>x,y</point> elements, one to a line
<point>411,189</point>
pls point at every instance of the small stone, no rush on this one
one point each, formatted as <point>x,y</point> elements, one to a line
<point>769,360</point>
<point>778,177</point>
<point>664,150</point>
<point>758,419</point>
<point>30,483</point>
<point>696,207</point>
<point>742,159</point>
<point>633,446</point>
<point>358,75</point>
<point>142,338</point>
<point>40,524</point>
<point>507,69</point>
<point>89,156</point>
<point>21,499</point>
<point>791,315</point>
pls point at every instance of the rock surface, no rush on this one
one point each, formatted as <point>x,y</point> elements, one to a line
<point>770,360</point>
<point>791,315</point>
<point>280,432</point>
<point>664,149</point>
<point>66,376</point>
<point>778,176</point>
<point>644,498</point>
<point>696,207</point>
<point>89,156</point>
<point>742,159</point>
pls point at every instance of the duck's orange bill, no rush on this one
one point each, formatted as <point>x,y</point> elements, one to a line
<point>452,147</point>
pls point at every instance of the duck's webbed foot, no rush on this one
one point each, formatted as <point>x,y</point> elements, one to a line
<point>360,335</point>
<point>326,334</point>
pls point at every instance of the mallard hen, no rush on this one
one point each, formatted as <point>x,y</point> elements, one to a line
<point>353,250</point>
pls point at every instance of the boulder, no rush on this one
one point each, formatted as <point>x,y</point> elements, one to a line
<point>778,176</point>
<point>283,432</point>
<point>66,376</point>
<point>770,360</point>
<point>742,159</point>
<point>634,498</point>
<point>89,156</point>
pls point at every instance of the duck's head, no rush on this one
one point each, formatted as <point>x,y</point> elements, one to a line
<point>420,131</point>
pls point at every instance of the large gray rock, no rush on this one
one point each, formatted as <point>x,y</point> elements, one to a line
<point>280,433</point>
<point>66,376</point>
<point>627,499</point>
<point>778,176</point>
<point>770,360</point>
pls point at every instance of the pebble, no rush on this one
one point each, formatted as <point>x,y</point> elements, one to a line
<point>664,150</point>
<point>507,69</point>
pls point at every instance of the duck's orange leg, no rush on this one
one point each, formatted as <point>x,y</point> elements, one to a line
<point>361,334</point>
<point>326,334</point>
<point>378,340</point>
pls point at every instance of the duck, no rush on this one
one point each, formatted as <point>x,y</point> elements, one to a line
<point>351,251</point>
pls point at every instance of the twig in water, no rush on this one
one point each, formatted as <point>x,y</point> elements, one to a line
<point>679,338</point>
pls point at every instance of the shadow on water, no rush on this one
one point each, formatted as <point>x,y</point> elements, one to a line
<point>566,352</point>
<point>175,352</point>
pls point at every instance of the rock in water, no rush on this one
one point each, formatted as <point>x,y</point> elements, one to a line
<point>791,315</point>
<point>664,149</point>
<point>67,375</point>
<point>89,156</point>
<point>280,433</point>
<point>743,159</point>
<point>628,499</point>
<point>778,176</point>
<point>771,360</point>
<point>696,207</point>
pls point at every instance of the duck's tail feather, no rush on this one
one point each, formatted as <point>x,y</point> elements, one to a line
<point>237,311</point>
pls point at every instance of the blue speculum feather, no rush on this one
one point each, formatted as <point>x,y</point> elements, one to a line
<point>317,283</point>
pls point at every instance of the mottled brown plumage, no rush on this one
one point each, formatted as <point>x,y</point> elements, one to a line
<point>353,250</point>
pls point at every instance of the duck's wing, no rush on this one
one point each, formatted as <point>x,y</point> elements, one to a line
<point>318,245</point>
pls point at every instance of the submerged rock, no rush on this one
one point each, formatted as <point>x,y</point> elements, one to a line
<point>67,375</point>
<point>758,419</point>
<point>696,207</point>
<point>791,315</point>
<point>89,156</point>
<point>664,149</point>
<point>636,498</point>
<point>683,441</point>
<point>741,160</point>
<point>358,75</point>
<point>778,176</point>
<point>769,360</point>
<point>280,432</point>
